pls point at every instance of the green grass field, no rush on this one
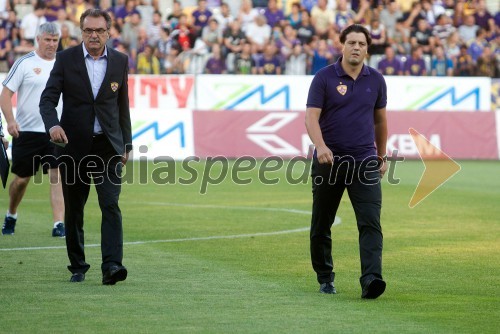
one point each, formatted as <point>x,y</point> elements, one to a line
<point>441,262</point>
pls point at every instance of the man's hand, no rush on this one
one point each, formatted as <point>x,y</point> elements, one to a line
<point>324,154</point>
<point>58,135</point>
<point>13,129</point>
<point>125,157</point>
<point>383,169</point>
<point>5,143</point>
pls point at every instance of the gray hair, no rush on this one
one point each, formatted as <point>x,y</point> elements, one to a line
<point>49,28</point>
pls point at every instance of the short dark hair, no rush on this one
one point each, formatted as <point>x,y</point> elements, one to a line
<point>94,12</point>
<point>355,28</point>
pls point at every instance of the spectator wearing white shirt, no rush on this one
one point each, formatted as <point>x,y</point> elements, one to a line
<point>31,22</point>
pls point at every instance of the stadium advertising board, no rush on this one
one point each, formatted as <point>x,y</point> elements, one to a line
<point>279,93</point>
<point>165,133</point>
<point>161,91</point>
<point>262,134</point>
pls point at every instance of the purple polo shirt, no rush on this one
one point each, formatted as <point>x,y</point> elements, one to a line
<point>390,67</point>
<point>273,18</point>
<point>201,18</point>
<point>347,108</point>
<point>416,67</point>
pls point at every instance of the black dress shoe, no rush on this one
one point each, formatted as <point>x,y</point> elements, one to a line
<point>77,277</point>
<point>328,288</point>
<point>372,290</point>
<point>114,274</point>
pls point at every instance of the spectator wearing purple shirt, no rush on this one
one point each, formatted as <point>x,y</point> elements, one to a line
<point>346,121</point>
<point>122,14</point>
<point>216,64</point>
<point>274,15</point>
<point>483,18</point>
<point>415,65</point>
<point>201,15</point>
<point>270,62</point>
<point>390,65</point>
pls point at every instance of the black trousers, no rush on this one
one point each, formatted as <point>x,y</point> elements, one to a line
<point>362,181</point>
<point>104,168</point>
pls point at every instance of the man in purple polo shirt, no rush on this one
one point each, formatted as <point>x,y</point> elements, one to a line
<point>346,121</point>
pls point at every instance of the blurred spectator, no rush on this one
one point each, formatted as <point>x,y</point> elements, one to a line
<point>216,63</point>
<point>75,9</point>
<point>244,62</point>
<point>269,63</point>
<point>5,49</point>
<point>464,66</point>
<point>287,40</point>
<point>308,4</point>
<point>468,29</point>
<point>295,16</point>
<point>154,29</point>
<point>211,34</point>
<point>306,31</point>
<point>321,18</point>
<point>273,14</point>
<point>247,14</point>
<point>124,14</point>
<point>258,34</point>
<point>390,64</point>
<point>483,18</point>
<point>443,29</point>
<point>401,38</point>
<point>130,33</point>
<point>11,25</point>
<point>114,36</point>
<point>486,65</point>
<point>422,36</point>
<point>224,17</point>
<point>320,55</point>
<point>22,8</point>
<point>201,15</point>
<point>415,65</point>
<point>123,48</point>
<point>378,35</point>
<point>344,16</point>
<point>296,64</point>
<point>147,62</point>
<point>441,65</point>
<point>53,7</point>
<point>452,46</point>
<point>430,11</point>
<point>62,19</point>
<point>142,40</point>
<point>476,46</point>
<point>31,22</point>
<point>173,17</point>
<point>233,39</point>
<point>389,16</point>
<point>183,34</point>
<point>146,10</point>
<point>65,40</point>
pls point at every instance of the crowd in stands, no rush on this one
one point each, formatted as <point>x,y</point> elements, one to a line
<point>410,37</point>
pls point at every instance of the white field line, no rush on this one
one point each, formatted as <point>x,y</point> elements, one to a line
<point>205,206</point>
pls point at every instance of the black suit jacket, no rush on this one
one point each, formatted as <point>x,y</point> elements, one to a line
<point>111,105</point>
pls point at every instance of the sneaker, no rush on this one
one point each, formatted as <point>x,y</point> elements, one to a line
<point>9,225</point>
<point>59,231</point>
<point>328,288</point>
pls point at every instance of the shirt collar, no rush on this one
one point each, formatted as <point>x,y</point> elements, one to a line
<point>340,71</point>
<point>86,53</point>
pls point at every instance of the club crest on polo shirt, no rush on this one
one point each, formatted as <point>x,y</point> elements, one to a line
<point>342,89</point>
<point>114,86</point>
<point>37,70</point>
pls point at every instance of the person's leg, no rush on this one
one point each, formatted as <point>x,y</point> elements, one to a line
<point>366,198</point>
<point>326,198</point>
<point>75,188</point>
<point>17,189</point>
<point>56,195</point>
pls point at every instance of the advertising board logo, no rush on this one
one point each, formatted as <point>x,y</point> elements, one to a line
<point>263,133</point>
<point>158,135</point>
<point>247,93</point>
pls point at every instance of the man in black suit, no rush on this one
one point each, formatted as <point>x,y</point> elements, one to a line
<point>94,139</point>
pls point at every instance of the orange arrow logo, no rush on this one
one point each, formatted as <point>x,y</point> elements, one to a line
<point>439,168</point>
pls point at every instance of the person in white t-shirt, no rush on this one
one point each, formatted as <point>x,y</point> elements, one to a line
<point>31,146</point>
